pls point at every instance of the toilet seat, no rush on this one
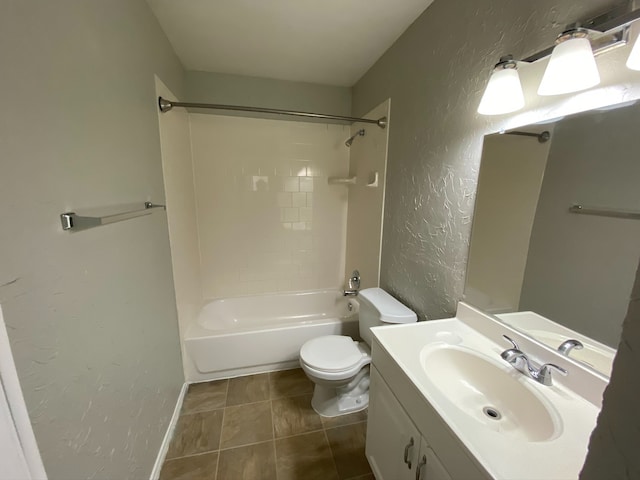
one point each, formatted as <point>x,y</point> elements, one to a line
<point>334,357</point>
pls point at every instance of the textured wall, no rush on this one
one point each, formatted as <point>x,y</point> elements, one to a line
<point>613,451</point>
<point>266,93</point>
<point>91,315</point>
<point>435,74</point>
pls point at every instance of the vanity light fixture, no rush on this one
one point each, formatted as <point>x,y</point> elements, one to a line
<point>504,91</point>
<point>572,67</point>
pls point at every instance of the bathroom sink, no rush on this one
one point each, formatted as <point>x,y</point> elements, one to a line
<point>513,426</point>
<point>498,399</point>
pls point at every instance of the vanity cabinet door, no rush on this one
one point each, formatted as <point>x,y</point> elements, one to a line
<point>393,442</point>
<point>429,466</point>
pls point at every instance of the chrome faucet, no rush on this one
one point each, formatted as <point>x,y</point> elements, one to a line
<point>521,362</point>
<point>353,284</point>
<point>568,345</point>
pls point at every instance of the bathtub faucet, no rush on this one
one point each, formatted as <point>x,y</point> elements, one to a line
<point>353,284</point>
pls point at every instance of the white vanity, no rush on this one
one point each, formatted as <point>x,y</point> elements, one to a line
<point>445,405</point>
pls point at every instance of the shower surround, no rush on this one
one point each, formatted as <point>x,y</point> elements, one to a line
<point>251,212</point>
<point>252,215</point>
<point>267,219</point>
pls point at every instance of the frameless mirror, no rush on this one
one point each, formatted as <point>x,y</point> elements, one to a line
<point>556,230</point>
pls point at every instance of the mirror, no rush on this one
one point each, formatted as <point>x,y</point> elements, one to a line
<point>572,269</point>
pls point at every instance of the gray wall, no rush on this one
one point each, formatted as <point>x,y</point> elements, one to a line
<point>207,87</point>
<point>435,74</point>
<point>91,315</point>
<point>580,269</point>
<point>613,451</point>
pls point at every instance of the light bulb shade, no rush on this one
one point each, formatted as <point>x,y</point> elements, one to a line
<point>633,62</point>
<point>503,93</point>
<point>571,68</point>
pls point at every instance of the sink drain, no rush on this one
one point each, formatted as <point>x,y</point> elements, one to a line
<point>492,413</point>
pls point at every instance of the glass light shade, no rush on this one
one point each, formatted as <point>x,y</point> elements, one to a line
<point>633,62</point>
<point>503,93</point>
<point>571,68</point>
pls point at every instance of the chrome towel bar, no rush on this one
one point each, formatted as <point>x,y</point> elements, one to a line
<point>604,212</point>
<point>72,221</point>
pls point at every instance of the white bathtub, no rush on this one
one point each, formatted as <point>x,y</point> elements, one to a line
<point>239,336</point>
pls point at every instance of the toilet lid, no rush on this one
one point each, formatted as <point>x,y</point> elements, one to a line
<point>331,353</point>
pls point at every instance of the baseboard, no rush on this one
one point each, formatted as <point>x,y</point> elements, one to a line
<point>164,447</point>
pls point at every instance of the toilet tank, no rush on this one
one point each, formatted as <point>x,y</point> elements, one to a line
<point>377,308</point>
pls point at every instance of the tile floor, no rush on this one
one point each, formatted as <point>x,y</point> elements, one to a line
<point>262,427</point>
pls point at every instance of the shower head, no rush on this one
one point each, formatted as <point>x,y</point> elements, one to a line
<point>352,137</point>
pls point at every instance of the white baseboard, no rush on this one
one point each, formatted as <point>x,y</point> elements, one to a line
<point>164,447</point>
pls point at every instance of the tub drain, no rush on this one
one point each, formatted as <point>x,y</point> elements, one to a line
<point>492,413</point>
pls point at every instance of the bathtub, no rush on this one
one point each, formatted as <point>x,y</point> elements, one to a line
<point>244,335</point>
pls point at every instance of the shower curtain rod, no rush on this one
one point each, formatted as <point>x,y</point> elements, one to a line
<point>166,105</point>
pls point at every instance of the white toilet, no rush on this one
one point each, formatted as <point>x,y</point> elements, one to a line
<point>339,366</point>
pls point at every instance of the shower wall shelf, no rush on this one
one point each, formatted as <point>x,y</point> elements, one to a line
<point>372,183</point>
<point>342,181</point>
<point>74,222</point>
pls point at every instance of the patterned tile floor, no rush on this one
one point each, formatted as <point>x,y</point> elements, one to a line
<point>262,427</point>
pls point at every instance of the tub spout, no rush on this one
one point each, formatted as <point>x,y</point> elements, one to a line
<point>354,285</point>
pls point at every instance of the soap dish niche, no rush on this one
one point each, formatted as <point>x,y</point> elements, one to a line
<point>342,180</point>
<point>372,182</point>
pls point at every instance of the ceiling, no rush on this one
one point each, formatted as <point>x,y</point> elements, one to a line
<point>332,42</point>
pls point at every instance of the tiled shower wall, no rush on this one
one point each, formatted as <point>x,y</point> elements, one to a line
<point>268,220</point>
